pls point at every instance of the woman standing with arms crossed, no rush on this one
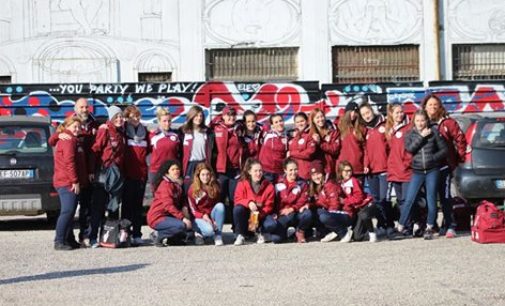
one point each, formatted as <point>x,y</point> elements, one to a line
<point>302,146</point>
<point>327,140</point>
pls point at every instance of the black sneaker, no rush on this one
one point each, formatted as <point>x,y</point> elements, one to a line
<point>428,234</point>
<point>160,243</point>
<point>74,244</point>
<point>62,247</point>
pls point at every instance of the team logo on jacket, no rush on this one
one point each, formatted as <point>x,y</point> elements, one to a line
<point>301,141</point>
<point>114,143</point>
<point>219,134</point>
<point>280,187</point>
<point>382,130</point>
<point>284,141</point>
<point>348,190</point>
<point>80,150</point>
<point>296,190</point>
<point>173,138</point>
<point>398,134</point>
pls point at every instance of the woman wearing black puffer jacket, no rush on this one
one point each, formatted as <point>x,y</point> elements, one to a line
<point>429,150</point>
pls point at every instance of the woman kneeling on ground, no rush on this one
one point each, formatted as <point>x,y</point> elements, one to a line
<point>168,214</point>
<point>203,200</point>
<point>356,202</point>
<point>292,205</point>
<point>253,194</point>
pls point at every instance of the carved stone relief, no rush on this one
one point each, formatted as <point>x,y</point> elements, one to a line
<point>255,22</point>
<point>74,61</point>
<point>471,20</point>
<point>154,61</point>
<point>150,21</point>
<point>71,16</point>
<point>375,21</point>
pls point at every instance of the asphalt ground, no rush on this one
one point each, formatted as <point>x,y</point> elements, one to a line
<point>404,272</point>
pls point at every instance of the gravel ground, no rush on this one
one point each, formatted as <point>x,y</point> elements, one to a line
<point>406,272</point>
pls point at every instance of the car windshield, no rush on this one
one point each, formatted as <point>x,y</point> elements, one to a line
<point>491,134</point>
<point>23,139</point>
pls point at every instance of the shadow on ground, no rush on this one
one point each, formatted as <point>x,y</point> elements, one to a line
<point>71,273</point>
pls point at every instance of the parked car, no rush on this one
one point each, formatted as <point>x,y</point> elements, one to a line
<point>26,167</point>
<point>482,175</point>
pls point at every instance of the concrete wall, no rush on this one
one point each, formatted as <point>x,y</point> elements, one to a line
<point>46,41</point>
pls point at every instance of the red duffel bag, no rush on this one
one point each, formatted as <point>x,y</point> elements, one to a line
<point>489,224</point>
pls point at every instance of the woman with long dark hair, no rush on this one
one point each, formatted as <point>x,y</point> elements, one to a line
<point>327,140</point>
<point>302,146</point>
<point>352,139</point>
<point>456,144</point>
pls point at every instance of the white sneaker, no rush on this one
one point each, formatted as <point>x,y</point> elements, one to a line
<point>199,239</point>
<point>218,240</point>
<point>415,228</point>
<point>373,237</point>
<point>240,240</point>
<point>137,241</point>
<point>290,232</point>
<point>348,237</point>
<point>329,237</point>
<point>261,239</point>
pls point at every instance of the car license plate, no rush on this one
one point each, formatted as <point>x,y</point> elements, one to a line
<point>16,174</point>
<point>500,184</point>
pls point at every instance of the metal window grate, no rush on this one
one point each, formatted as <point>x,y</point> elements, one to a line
<point>259,64</point>
<point>363,64</point>
<point>155,77</point>
<point>478,62</point>
<point>5,79</point>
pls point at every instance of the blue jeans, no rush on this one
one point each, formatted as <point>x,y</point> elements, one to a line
<point>171,227</point>
<point>240,219</point>
<point>84,211</point>
<point>133,208</point>
<point>378,185</point>
<point>206,229</point>
<point>277,227</point>
<point>64,225</point>
<point>228,183</point>
<point>430,179</point>
<point>335,222</point>
<point>444,194</point>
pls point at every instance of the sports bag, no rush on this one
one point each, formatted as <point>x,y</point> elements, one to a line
<point>115,234</point>
<point>489,224</point>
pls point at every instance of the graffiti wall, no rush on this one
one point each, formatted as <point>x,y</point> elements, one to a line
<point>57,100</point>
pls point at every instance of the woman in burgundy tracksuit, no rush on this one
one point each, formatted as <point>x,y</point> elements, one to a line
<point>203,200</point>
<point>254,193</point>
<point>302,146</point>
<point>356,202</point>
<point>252,132</point>
<point>197,143</point>
<point>274,149</point>
<point>169,215</point>
<point>352,139</point>
<point>399,160</point>
<point>456,143</point>
<point>376,164</point>
<point>292,205</point>
<point>109,155</point>
<point>325,196</point>
<point>70,175</point>
<point>229,146</point>
<point>327,140</point>
<point>165,142</point>
<point>135,170</point>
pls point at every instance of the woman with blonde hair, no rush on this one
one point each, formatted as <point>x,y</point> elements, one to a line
<point>165,142</point>
<point>70,175</point>
<point>205,205</point>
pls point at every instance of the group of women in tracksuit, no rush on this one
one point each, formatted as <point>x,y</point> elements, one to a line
<point>307,182</point>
